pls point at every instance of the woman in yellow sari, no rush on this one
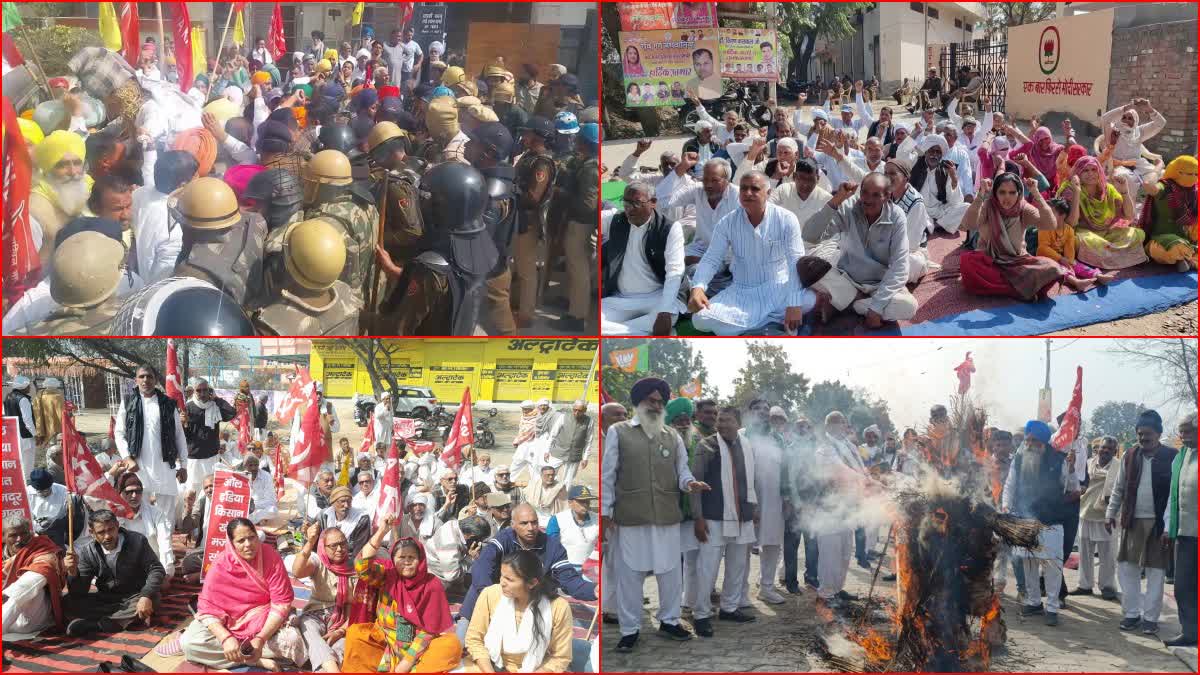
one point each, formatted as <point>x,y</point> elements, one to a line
<point>1104,235</point>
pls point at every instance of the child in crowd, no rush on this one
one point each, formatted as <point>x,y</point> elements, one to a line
<point>1059,246</point>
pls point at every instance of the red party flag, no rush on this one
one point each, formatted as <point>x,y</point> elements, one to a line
<point>964,371</point>
<point>183,45</point>
<point>11,53</point>
<point>368,438</point>
<point>311,450</point>
<point>131,33</point>
<point>604,397</point>
<point>1068,431</point>
<point>462,434</point>
<point>22,266</point>
<point>294,399</point>
<point>83,474</point>
<point>391,502</point>
<point>276,40</point>
<point>406,12</point>
<point>174,381</point>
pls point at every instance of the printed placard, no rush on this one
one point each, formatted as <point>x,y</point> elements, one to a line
<point>231,499</point>
<point>12,476</point>
<point>748,54</point>
<point>664,67</point>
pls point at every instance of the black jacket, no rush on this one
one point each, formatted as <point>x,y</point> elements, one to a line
<point>138,571</point>
<point>613,250</point>
<point>260,415</point>
<point>205,441</point>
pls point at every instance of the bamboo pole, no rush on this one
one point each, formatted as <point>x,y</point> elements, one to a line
<point>221,45</point>
<point>162,40</point>
<point>36,60</point>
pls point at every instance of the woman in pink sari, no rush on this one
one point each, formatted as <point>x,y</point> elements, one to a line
<point>246,599</point>
<point>1043,152</point>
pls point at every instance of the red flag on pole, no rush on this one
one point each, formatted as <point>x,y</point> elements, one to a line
<point>183,45</point>
<point>294,399</point>
<point>964,370</point>
<point>604,397</point>
<point>174,381</point>
<point>238,7</point>
<point>406,12</point>
<point>276,40</point>
<point>311,450</point>
<point>1068,431</point>
<point>368,438</point>
<point>131,36</point>
<point>11,54</point>
<point>82,472</point>
<point>462,434</point>
<point>22,266</point>
<point>391,502</point>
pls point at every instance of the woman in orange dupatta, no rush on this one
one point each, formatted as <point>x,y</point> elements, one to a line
<point>246,599</point>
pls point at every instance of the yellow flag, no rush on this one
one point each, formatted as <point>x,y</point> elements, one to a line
<point>199,55</point>
<point>239,31</point>
<point>110,29</point>
<point>356,18</point>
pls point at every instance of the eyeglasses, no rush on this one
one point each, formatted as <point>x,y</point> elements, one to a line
<point>636,204</point>
<point>339,544</point>
<point>133,491</point>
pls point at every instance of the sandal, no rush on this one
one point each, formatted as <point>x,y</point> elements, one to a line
<point>170,647</point>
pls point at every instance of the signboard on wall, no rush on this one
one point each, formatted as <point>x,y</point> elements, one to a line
<point>664,15</point>
<point>748,54</point>
<point>1060,65</point>
<point>661,67</point>
<point>516,43</point>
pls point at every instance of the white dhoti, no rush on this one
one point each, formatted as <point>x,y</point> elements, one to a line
<point>843,291</point>
<point>1095,538</point>
<point>28,458</point>
<point>946,216</point>
<point>1046,562</point>
<point>27,609</point>
<point>528,455</point>
<point>918,264</point>
<point>631,314</point>
<point>567,472</point>
<point>691,553</point>
<point>708,565</point>
<point>198,470</point>
<point>639,551</point>
<point>833,561</point>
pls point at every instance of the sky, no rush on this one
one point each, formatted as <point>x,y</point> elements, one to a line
<point>912,374</point>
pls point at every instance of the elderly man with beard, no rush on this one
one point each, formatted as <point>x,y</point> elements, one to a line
<point>151,440</point>
<point>666,182</point>
<point>842,476</point>
<point>571,441</point>
<point>1039,487</point>
<point>644,472</point>
<point>262,491</point>
<point>502,482</point>
<point>1137,505</point>
<point>711,200</point>
<point>205,413</point>
<point>803,196</point>
<point>703,146</point>
<point>19,404</point>
<point>1093,536</point>
<point>779,168</point>
<point>546,494</point>
<point>872,255</point>
<point>937,179</point>
<point>765,244</point>
<point>34,579</point>
<point>62,189</point>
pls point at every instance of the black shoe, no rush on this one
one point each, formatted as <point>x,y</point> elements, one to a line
<point>627,643</point>
<point>675,632</point>
<point>812,583</point>
<point>570,324</point>
<point>1180,641</point>
<point>1150,627</point>
<point>703,627</point>
<point>82,627</point>
<point>1109,594</point>
<point>610,619</point>
<point>793,588</point>
<point>1130,623</point>
<point>864,563</point>
<point>736,616</point>
<point>889,577</point>
<point>1031,610</point>
<point>844,596</point>
<point>1062,603</point>
<point>1051,619</point>
<point>1080,591</point>
<point>107,625</point>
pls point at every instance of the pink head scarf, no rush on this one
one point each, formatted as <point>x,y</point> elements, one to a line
<point>1083,163</point>
<point>238,177</point>
<point>241,593</point>
<point>1044,160</point>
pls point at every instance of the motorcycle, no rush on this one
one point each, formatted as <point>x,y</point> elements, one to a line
<point>364,408</point>
<point>484,438</point>
<point>736,98</point>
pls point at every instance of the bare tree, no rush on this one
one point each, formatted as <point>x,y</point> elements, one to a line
<point>122,356</point>
<point>1174,359</point>
<point>378,357</point>
<point>1003,15</point>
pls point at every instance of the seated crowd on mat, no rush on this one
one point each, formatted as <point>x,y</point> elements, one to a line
<point>748,231</point>
<point>380,583</point>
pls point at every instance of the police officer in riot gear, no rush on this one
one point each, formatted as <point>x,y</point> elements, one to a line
<point>488,151</point>
<point>276,196</point>
<point>181,306</point>
<point>395,176</point>
<point>534,182</point>
<point>84,277</point>
<point>312,300</point>
<point>442,291</point>
<point>220,243</point>
<point>338,136</point>
<point>331,193</point>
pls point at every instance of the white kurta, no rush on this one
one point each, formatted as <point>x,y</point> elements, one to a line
<point>948,215</point>
<point>768,467</point>
<point>157,246</point>
<point>46,510</point>
<point>381,417</point>
<point>787,197</point>
<point>366,503</point>
<point>664,187</point>
<point>640,297</point>
<point>707,217</point>
<point>157,528</point>
<point>27,605</point>
<point>262,491</point>
<point>156,475</point>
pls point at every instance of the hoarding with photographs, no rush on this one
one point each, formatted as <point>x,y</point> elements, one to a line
<point>664,67</point>
<point>748,54</point>
<point>664,15</point>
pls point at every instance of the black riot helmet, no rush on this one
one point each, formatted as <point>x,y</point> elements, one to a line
<point>181,306</point>
<point>338,137</point>
<point>454,196</point>
<point>277,193</point>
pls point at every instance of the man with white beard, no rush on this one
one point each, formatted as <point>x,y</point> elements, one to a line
<point>381,417</point>
<point>644,472</point>
<point>844,475</point>
<point>62,190</point>
<point>525,432</point>
<point>529,453</point>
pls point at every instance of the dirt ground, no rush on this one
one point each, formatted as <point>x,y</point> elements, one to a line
<point>784,636</point>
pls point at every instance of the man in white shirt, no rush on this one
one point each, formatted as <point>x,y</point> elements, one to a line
<point>642,254</point>
<point>802,196</point>
<point>665,183</point>
<point>261,53</point>
<point>577,527</point>
<point>156,243</point>
<point>366,499</point>
<point>938,184</point>
<point>710,200</point>
<point>403,56</point>
<point>481,472</point>
<point>19,404</point>
<point>262,491</point>
<point>847,120</point>
<point>150,438</point>
<point>963,158</point>
<point>149,521</point>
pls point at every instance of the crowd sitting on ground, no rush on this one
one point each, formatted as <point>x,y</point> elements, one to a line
<point>380,582</point>
<point>321,193</point>
<point>751,232</point>
<point>686,484</point>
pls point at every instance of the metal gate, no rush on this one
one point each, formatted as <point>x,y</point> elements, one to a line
<point>991,60</point>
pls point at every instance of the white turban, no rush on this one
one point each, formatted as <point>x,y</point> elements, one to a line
<point>999,144</point>
<point>51,383</point>
<point>777,411</point>
<point>234,94</point>
<point>901,125</point>
<point>820,114</point>
<point>930,140</point>
<point>363,52</point>
<point>20,382</point>
<point>787,142</point>
<point>526,404</point>
<point>703,125</point>
<point>436,47</point>
<point>543,401</point>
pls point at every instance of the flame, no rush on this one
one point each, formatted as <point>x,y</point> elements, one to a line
<point>823,611</point>
<point>981,646</point>
<point>879,647</point>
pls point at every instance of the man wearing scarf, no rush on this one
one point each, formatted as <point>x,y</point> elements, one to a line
<point>938,183</point>
<point>1041,487</point>
<point>34,579</point>
<point>725,517</point>
<point>1137,506</point>
<point>205,412</point>
<point>903,194</point>
<point>62,190</point>
<point>19,404</point>
<point>643,473</point>
<point>1169,215</point>
<point>151,440</point>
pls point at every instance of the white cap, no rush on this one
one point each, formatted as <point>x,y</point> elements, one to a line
<point>543,401</point>
<point>526,404</point>
<point>20,382</point>
<point>777,411</point>
<point>703,125</point>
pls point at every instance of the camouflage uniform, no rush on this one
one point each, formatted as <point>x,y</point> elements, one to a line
<point>233,263</point>
<point>426,307</point>
<point>535,172</point>
<point>582,190</point>
<point>290,315</point>
<point>358,223</point>
<point>76,321</point>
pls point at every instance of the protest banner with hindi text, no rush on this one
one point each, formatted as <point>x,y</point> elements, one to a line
<point>748,54</point>
<point>665,15</point>
<point>404,427</point>
<point>16,500</point>
<point>1061,65</point>
<point>661,67</point>
<point>231,499</point>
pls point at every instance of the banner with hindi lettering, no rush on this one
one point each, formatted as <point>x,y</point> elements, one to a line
<point>664,67</point>
<point>16,500</point>
<point>748,54</point>
<point>664,15</point>
<point>1060,64</point>
<point>230,499</point>
<point>404,427</point>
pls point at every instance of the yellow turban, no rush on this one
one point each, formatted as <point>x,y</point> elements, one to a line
<point>223,109</point>
<point>57,145</point>
<point>441,118</point>
<point>261,77</point>
<point>331,55</point>
<point>1182,170</point>
<point>30,131</point>
<point>324,66</point>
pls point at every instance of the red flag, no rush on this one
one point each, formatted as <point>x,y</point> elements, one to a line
<point>237,7</point>
<point>406,12</point>
<point>294,399</point>
<point>1068,431</point>
<point>310,449</point>
<point>183,45</point>
<point>604,397</point>
<point>462,434</point>
<point>964,371</point>
<point>22,266</point>
<point>241,422</point>
<point>368,438</point>
<point>174,382</point>
<point>83,473</point>
<point>11,54</point>
<point>131,36</point>
<point>391,502</point>
<point>276,40</point>
<point>419,447</point>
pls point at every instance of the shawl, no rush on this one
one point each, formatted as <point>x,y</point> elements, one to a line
<point>241,594</point>
<point>505,636</point>
<point>43,556</point>
<point>1027,274</point>
<point>1044,160</point>
<point>1067,160</point>
<point>1181,198</point>
<point>354,603</point>
<point>420,599</point>
<point>1099,212</point>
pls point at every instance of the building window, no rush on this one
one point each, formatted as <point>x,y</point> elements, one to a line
<point>969,28</point>
<point>933,13</point>
<point>918,7</point>
<point>958,23</point>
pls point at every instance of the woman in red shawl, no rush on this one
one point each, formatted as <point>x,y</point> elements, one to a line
<point>246,599</point>
<point>1001,265</point>
<point>413,631</point>
<point>1043,152</point>
<point>337,601</point>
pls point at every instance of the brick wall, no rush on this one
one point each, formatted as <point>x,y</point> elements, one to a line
<point>1158,62</point>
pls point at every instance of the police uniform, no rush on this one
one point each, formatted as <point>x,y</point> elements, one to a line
<point>76,321</point>
<point>311,300</point>
<point>234,262</point>
<point>579,238</point>
<point>501,220</point>
<point>84,276</point>
<point>292,315</point>
<point>535,173</point>
<point>358,223</point>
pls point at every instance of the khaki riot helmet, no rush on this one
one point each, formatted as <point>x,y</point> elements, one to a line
<point>441,118</point>
<point>328,167</point>
<point>314,253</point>
<point>504,92</point>
<point>382,133</point>
<point>207,204</point>
<point>86,269</point>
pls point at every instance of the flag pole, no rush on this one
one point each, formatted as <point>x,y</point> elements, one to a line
<point>587,386</point>
<point>162,38</point>
<point>70,496</point>
<point>224,33</point>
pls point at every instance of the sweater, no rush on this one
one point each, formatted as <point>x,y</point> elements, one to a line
<point>1183,484</point>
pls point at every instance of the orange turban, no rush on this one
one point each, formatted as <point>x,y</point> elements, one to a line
<point>261,77</point>
<point>200,144</point>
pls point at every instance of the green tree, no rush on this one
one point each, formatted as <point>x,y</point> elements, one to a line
<point>121,357</point>
<point>801,23</point>
<point>674,360</point>
<point>768,374</point>
<point>1002,15</point>
<point>1117,419</point>
<point>826,397</point>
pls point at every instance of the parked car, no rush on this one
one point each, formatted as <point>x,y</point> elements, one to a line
<point>416,402</point>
